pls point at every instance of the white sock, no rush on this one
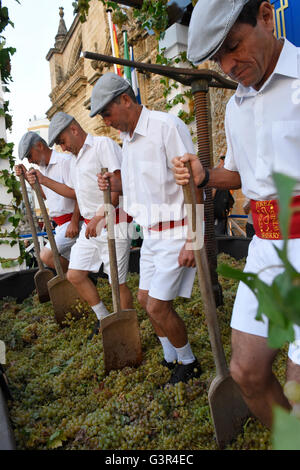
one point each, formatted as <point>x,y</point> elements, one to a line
<point>100,310</point>
<point>185,354</point>
<point>170,354</point>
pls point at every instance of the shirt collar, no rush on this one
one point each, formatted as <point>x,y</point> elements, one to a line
<point>142,124</point>
<point>141,127</point>
<point>53,158</point>
<point>89,140</point>
<point>287,65</point>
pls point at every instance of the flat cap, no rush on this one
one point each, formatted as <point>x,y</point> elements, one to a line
<point>210,23</point>
<point>58,123</point>
<point>27,141</point>
<point>108,87</point>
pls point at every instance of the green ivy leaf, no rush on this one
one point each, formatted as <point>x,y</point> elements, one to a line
<point>269,303</point>
<point>278,336</point>
<point>292,304</point>
<point>285,185</point>
<point>286,430</point>
<point>56,440</point>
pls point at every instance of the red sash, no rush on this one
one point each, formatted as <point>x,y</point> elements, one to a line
<point>121,216</point>
<point>265,219</point>
<point>62,219</point>
<point>168,225</point>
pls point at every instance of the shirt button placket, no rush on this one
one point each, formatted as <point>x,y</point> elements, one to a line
<point>258,118</point>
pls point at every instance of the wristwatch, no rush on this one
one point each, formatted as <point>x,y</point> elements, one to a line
<point>205,179</point>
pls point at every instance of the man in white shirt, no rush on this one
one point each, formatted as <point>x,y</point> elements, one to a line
<point>151,139</point>
<point>89,155</point>
<point>63,209</point>
<point>262,126</point>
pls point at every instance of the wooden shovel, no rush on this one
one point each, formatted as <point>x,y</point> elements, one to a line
<point>227,407</point>
<point>62,293</point>
<point>43,275</point>
<point>120,330</point>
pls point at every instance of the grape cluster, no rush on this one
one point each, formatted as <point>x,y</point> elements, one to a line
<point>64,400</point>
<point>292,392</point>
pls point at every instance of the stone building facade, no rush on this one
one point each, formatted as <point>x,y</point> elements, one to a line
<point>73,77</point>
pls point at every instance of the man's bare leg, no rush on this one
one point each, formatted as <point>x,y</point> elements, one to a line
<point>143,296</point>
<point>171,331</point>
<point>165,318</point>
<point>126,299</point>
<point>88,291</point>
<point>251,367</point>
<point>48,259</point>
<point>84,286</point>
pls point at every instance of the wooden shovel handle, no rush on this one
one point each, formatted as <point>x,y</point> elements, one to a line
<point>205,284</point>
<point>109,215</point>
<point>31,221</point>
<point>51,239</point>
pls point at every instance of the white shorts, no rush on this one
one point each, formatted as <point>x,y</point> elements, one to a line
<point>89,253</point>
<point>261,255</point>
<point>63,243</point>
<point>160,273</point>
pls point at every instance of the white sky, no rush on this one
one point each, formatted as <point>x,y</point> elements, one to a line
<point>35,27</point>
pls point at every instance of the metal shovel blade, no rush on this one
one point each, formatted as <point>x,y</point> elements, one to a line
<point>228,409</point>
<point>63,294</point>
<point>64,298</point>
<point>41,279</point>
<point>43,275</point>
<point>121,340</point>
<point>120,330</point>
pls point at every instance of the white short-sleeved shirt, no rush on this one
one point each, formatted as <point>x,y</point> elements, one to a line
<point>96,153</point>
<point>149,189</point>
<point>263,128</point>
<point>58,169</point>
<point>263,136</point>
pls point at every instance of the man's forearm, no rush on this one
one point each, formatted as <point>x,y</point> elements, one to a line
<point>76,213</point>
<point>59,188</point>
<point>115,199</point>
<point>224,179</point>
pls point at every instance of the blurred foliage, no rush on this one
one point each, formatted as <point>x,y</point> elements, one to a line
<point>7,177</point>
<point>280,303</point>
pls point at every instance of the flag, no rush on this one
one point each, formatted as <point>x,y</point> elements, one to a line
<point>116,45</point>
<point>113,41</point>
<point>127,70</point>
<point>134,79</point>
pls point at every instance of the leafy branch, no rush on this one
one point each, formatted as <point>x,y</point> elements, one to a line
<point>7,178</point>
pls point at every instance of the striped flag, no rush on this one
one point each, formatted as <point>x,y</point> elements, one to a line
<point>116,45</point>
<point>134,79</point>
<point>127,70</point>
<point>113,41</point>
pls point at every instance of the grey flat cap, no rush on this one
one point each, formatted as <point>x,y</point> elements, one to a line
<point>210,23</point>
<point>58,123</point>
<point>108,87</point>
<point>27,141</point>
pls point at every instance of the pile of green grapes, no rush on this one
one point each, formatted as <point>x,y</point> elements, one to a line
<point>63,399</point>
